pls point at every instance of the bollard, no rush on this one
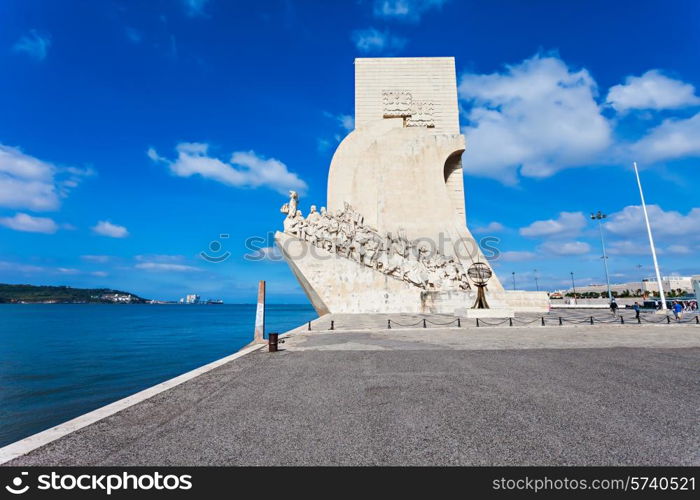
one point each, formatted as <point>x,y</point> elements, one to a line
<point>388,324</point>
<point>668,320</point>
<point>309,325</point>
<point>622,320</point>
<point>542,320</point>
<point>424,323</point>
<point>259,336</point>
<point>591,320</point>
<point>332,325</point>
<point>639,320</point>
<point>459,323</point>
<point>697,320</point>
<point>560,321</point>
<point>477,321</point>
<point>510,321</point>
<point>272,342</point>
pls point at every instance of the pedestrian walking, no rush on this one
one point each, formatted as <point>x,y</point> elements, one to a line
<point>636,310</point>
<point>613,307</point>
<point>678,311</point>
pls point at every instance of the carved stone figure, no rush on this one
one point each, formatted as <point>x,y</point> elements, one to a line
<point>344,233</point>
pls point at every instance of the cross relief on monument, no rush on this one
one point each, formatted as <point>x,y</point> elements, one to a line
<point>400,104</point>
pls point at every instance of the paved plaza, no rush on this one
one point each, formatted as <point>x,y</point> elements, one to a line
<point>602,395</point>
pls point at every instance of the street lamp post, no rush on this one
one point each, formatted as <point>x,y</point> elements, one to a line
<point>537,286</point>
<point>513,280</point>
<point>573,285</point>
<point>599,217</point>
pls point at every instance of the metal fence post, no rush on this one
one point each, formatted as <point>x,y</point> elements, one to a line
<point>424,323</point>
<point>560,321</point>
<point>388,324</point>
<point>332,325</point>
<point>591,320</point>
<point>477,321</point>
<point>510,321</point>
<point>542,320</point>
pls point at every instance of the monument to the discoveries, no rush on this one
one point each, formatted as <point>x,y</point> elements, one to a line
<point>393,237</point>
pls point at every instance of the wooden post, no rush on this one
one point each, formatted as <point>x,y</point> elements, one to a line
<point>260,315</point>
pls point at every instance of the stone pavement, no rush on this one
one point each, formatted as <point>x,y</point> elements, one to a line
<point>602,395</point>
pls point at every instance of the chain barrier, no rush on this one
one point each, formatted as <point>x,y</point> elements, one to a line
<point>543,320</point>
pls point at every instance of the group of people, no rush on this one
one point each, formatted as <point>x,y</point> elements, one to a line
<point>345,233</point>
<point>677,307</point>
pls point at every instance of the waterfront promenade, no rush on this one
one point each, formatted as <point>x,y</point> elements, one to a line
<point>580,395</point>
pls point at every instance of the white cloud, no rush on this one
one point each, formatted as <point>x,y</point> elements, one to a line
<point>673,138</point>
<point>371,40</point>
<point>492,227</point>
<point>245,169</point>
<point>405,10</point>
<point>30,224</point>
<point>99,274</point>
<point>30,183</point>
<point>679,249</point>
<point>567,224</point>
<point>564,248</point>
<point>195,8</point>
<point>538,116</point>
<point>347,122</point>
<point>106,228</point>
<point>628,247</point>
<point>160,262</point>
<point>96,258</point>
<point>34,44</point>
<point>516,256</point>
<point>664,224</point>
<point>165,266</point>
<point>67,270</point>
<point>322,145</point>
<point>133,35</point>
<point>652,90</point>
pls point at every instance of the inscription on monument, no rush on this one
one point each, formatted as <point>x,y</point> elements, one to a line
<point>400,104</point>
<point>397,103</point>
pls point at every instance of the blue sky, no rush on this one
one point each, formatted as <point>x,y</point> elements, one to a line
<point>133,134</point>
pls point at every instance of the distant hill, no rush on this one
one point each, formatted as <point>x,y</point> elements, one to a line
<point>65,295</point>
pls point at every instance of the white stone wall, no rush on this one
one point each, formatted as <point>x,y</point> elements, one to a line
<point>427,78</point>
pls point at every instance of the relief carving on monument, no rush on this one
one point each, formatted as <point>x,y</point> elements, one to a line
<point>345,234</point>
<point>422,114</point>
<point>400,104</point>
<point>397,103</point>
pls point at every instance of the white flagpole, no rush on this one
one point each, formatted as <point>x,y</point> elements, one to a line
<point>651,240</point>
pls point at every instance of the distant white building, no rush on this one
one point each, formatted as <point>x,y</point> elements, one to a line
<point>117,297</point>
<point>649,285</point>
<point>192,299</point>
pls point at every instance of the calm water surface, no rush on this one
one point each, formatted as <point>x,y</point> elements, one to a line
<point>58,361</point>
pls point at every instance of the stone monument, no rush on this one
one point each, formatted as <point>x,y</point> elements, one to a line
<point>393,235</point>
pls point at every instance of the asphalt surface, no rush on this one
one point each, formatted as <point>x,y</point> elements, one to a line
<point>411,406</point>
